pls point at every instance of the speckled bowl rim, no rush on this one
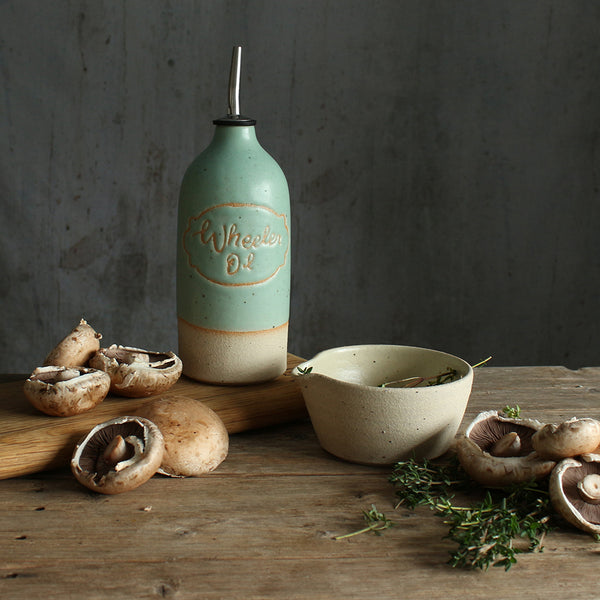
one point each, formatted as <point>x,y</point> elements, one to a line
<point>361,347</point>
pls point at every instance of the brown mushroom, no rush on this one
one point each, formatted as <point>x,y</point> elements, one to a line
<point>496,451</point>
<point>575,493</point>
<point>66,391</point>
<point>137,373</point>
<point>76,348</point>
<point>196,440</point>
<point>568,439</point>
<point>118,455</point>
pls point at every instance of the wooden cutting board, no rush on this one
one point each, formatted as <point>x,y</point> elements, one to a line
<point>31,441</point>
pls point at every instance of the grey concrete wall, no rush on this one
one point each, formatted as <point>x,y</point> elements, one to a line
<point>442,160</point>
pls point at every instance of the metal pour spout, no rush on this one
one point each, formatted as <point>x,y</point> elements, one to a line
<point>234,82</point>
<point>234,116</point>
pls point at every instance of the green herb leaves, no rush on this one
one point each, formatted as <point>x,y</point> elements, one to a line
<point>447,376</point>
<point>305,370</point>
<point>492,531</point>
<point>512,412</point>
<point>485,532</point>
<point>376,522</point>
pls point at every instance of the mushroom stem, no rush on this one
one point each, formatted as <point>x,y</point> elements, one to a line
<point>138,450</point>
<point>589,488</point>
<point>116,451</point>
<point>508,445</point>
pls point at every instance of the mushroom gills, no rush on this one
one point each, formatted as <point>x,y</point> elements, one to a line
<point>111,447</point>
<point>573,481</point>
<point>138,373</point>
<point>118,455</point>
<point>502,437</point>
<point>497,451</point>
<point>589,488</point>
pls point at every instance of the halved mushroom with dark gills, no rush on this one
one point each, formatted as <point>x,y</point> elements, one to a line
<point>118,455</point>
<point>76,348</point>
<point>568,439</point>
<point>575,492</point>
<point>137,373</point>
<point>66,391</point>
<point>196,439</point>
<point>496,451</point>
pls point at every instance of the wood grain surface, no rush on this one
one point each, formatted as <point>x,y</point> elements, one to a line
<point>31,441</point>
<point>262,526</point>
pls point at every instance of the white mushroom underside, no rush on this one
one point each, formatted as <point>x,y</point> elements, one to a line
<point>493,471</point>
<point>566,497</point>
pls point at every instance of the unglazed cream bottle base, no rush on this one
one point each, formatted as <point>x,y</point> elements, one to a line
<point>230,357</point>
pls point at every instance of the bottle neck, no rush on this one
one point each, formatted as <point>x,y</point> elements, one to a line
<point>234,134</point>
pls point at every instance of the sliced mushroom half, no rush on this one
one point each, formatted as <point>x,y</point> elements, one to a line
<point>66,391</point>
<point>575,493</point>
<point>568,439</point>
<point>196,440</point>
<point>76,349</point>
<point>496,451</point>
<point>137,373</point>
<point>118,455</point>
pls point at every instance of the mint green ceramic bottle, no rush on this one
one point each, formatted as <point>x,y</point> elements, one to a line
<point>233,256</point>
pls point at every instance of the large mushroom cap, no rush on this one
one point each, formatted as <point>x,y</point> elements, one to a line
<point>568,439</point>
<point>496,451</point>
<point>575,493</point>
<point>137,373</point>
<point>63,392</point>
<point>196,440</point>
<point>76,348</point>
<point>118,455</point>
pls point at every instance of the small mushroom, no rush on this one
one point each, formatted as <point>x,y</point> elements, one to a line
<point>575,493</point>
<point>76,349</point>
<point>568,439</point>
<point>118,455</point>
<point>196,440</point>
<point>66,391</point>
<point>496,451</point>
<point>137,373</point>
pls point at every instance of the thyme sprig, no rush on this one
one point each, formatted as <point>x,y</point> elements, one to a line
<point>512,412</point>
<point>485,532</point>
<point>376,522</point>
<point>489,532</point>
<point>446,376</point>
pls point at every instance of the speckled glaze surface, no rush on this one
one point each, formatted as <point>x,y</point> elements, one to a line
<point>225,357</point>
<point>233,261</point>
<point>357,420</point>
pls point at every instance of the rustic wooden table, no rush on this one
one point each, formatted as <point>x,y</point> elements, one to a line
<point>262,525</point>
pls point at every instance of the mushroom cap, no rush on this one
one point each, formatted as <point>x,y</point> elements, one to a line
<point>475,450</point>
<point>569,438</point>
<point>76,348</point>
<point>137,373</point>
<point>566,497</point>
<point>196,440</point>
<point>142,452</point>
<point>66,391</point>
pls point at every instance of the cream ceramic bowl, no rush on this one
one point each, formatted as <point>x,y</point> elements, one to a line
<point>357,420</point>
